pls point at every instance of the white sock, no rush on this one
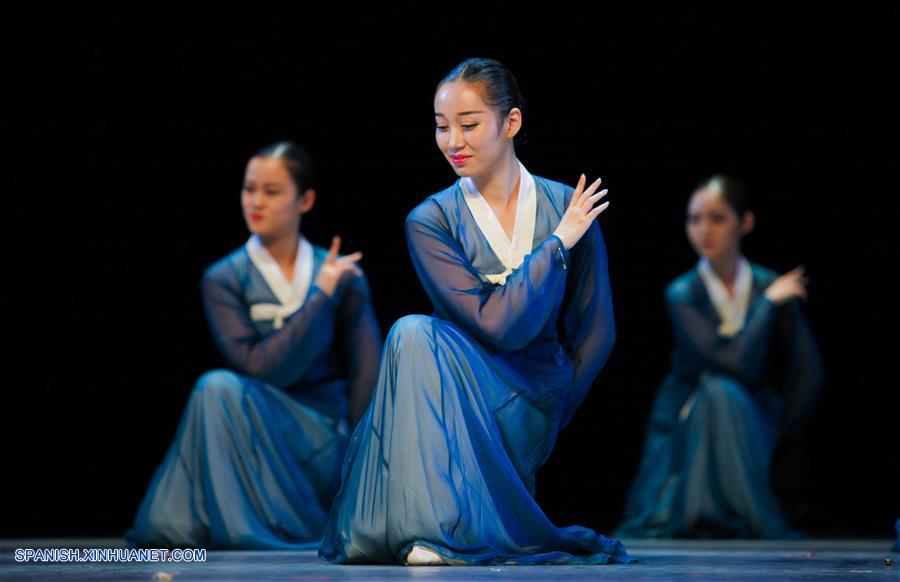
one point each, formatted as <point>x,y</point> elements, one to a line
<point>422,556</point>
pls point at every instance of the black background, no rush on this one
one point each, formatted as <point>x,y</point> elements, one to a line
<point>127,141</point>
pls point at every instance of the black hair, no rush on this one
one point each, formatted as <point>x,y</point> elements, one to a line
<point>734,192</point>
<point>501,90</point>
<point>297,161</point>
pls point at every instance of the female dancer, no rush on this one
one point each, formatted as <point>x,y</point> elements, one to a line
<point>256,460</point>
<point>745,371</point>
<point>469,401</point>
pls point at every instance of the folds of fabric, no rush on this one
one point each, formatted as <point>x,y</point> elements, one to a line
<point>249,468</point>
<point>446,458</point>
<point>705,470</point>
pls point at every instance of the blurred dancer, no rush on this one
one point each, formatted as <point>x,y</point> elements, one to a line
<point>745,371</point>
<point>256,460</point>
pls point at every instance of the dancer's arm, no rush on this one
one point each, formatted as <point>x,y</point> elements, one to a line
<point>361,345</point>
<point>509,316</point>
<point>588,320</point>
<point>504,317</point>
<point>283,356</point>
<point>805,371</point>
<point>741,355</point>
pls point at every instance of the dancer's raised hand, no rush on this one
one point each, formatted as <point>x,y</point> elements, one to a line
<point>791,284</point>
<point>334,267</point>
<point>580,213</point>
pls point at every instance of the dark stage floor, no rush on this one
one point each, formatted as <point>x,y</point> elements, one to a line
<point>659,560</point>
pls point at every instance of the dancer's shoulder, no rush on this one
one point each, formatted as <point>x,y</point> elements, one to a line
<point>433,210</point>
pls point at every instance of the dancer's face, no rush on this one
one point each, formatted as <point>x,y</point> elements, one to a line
<point>713,227</point>
<point>270,201</point>
<point>472,136</point>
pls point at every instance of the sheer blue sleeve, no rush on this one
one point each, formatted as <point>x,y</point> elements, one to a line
<point>281,357</point>
<point>505,317</point>
<point>589,326</point>
<point>741,356</point>
<point>360,344</point>
<point>805,374</point>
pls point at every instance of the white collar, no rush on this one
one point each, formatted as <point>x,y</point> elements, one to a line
<point>510,252</point>
<point>732,311</point>
<point>291,294</point>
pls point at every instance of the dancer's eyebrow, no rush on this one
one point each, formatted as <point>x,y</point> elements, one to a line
<point>460,113</point>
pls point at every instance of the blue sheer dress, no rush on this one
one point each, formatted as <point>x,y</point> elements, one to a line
<point>719,414</point>
<point>469,401</point>
<point>256,460</point>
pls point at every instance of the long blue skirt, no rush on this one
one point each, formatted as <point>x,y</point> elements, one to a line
<point>705,469</point>
<point>445,458</point>
<point>250,468</point>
